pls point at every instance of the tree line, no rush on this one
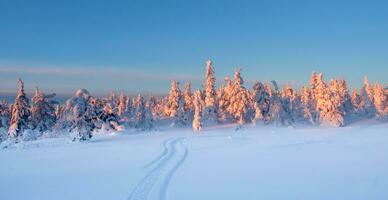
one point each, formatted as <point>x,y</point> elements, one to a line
<point>320,103</point>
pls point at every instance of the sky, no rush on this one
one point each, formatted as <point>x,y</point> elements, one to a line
<point>139,46</point>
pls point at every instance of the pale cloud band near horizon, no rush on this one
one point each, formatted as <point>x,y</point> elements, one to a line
<point>98,72</point>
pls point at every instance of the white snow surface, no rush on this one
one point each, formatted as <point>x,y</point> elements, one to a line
<point>262,162</point>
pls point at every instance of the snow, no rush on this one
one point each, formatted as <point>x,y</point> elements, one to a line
<point>261,162</point>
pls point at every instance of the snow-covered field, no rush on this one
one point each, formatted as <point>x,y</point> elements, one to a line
<point>219,163</point>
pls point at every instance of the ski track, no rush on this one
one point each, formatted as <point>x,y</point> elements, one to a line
<point>157,180</point>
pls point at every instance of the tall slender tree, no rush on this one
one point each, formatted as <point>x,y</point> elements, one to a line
<point>198,105</point>
<point>210,110</point>
<point>20,113</point>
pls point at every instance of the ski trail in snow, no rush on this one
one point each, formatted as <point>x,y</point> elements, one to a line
<point>163,190</point>
<point>155,182</point>
<point>163,154</point>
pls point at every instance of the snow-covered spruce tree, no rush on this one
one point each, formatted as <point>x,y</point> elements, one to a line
<point>309,113</point>
<point>239,99</point>
<point>43,116</point>
<point>5,117</point>
<point>152,104</point>
<point>183,117</point>
<point>188,97</point>
<point>289,105</point>
<point>20,113</point>
<point>149,116</point>
<point>198,105</point>
<point>281,107</point>
<point>5,114</point>
<point>210,110</point>
<point>159,107</point>
<point>223,97</point>
<point>143,115</point>
<point>329,111</point>
<point>108,119</point>
<point>113,101</point>
<point>59,110</point>
<point>188,104</point>
<point>341,97</point>
<point>121,107</point>
<point>80,115</point>
<point>367,99</point>
<point>357,104</point>
<point>173,98</point>
<point>315,81</point>
<point>261,102</point>
<point>380,102</point>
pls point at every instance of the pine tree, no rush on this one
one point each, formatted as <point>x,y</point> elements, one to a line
<point>210,110</point>
<point>43,116</point>
<point>20,113</point>
<point>198,105</point>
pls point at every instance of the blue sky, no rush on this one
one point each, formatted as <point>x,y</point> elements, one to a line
<point>141,45</point>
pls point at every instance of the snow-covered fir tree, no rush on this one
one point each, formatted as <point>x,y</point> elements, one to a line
<point>340,96</point>
<point>149,116</point>
<point>5,114</point>
<point>43,116</point>
<point>380,102</point>
<point>289,103</point>
<point>188,97</point>
<point>188,104</point>
<point>5,117</point>
<point>367,99</point>
<point>261,103</point>
<point>198,106</point>
<point>210,110</point>
<point>173,99</point>
<point>152,104</point>
<point>20,113</point>
<point>239,99</point>
<point>182,117</point>
<point>281,106</point>
<point>108,119</point>
<point>223,97</point>
<point>327,106</point>
<point>357,103</point>
<point>122,107</point>
<point>307,106</point>
<point>143,115</point>
<point>80,115</point>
